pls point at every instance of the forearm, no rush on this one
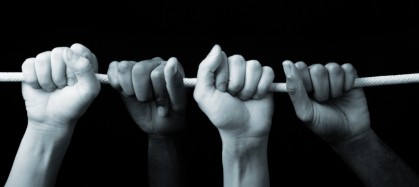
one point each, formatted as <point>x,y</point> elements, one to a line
<point>39,157</point>
<point>245,162</point>
<point>375,163</point>
<point>165,164</point>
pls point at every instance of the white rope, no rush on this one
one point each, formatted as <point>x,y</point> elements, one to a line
<point>276,87</point>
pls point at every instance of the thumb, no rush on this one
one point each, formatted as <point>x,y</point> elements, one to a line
<point>295,86</point>
<point>206,72</point>
<point>87,82</point>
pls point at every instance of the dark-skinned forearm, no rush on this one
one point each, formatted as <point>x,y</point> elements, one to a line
<point>165,164</point>
<point>376,164</point>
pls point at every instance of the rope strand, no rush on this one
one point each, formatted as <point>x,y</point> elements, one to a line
<point>276,87</point>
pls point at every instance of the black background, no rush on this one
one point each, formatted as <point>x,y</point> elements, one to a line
<point>108,149</point>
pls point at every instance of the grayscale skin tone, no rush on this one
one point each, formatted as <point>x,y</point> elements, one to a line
<point>325,99</point>
<point>155,97</point>
<point>235,95</point>
<point>58,87</point>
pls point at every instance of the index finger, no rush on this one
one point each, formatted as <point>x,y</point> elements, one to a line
<point>174,74</point>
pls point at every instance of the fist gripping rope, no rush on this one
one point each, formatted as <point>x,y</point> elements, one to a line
<point>276,87</point>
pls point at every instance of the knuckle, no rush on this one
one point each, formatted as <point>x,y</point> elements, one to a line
<point>124,66</point>
<point>236,59</point>
<point>300,65</point>
<point>27,64</point>
<point>333,67</point>
<point>44,56</point>
<point>317,69</point>
<point>254,64</point>
<point>157,74</point>
<point>269,72</point>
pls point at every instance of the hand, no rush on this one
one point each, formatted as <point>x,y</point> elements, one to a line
<point>153,93</point>
<point>337,112</point>
<point>59,86</point>
<point>235,94</point>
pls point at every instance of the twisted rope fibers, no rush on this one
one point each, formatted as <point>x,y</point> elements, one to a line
<point>276,87</point>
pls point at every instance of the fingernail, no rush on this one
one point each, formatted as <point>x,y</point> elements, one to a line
<point>243,97</point>
<point>222,87</point>
<point>287,68</point>
<point>256,96</point>
<point>175,69</point>
<point>69,54</point>
<point>291,88</point>
<point>160,111</point>
<point>124,94</point>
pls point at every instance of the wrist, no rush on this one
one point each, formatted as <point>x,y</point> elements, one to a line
<point>356,143</point>
<point>238,146</point>
<point>245,161</point>
<point>163,139</point>
<point>49,130</point>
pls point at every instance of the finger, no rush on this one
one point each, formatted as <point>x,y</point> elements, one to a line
<point>157,59</point>
<point>141,80</point>
<point>174,74</point>
<point>43,71</point>
<point>296,90</point>
<point>350,76</point>
<point>251,79</point>
<point>221,75</point>
<point>265,82</point>
<point>86,53</point>
<point>87,83</point>
<point>237,71</point>
<point>336,78</point>
<point>320,79</point>
<point>305,74</point>
<point>58,67</point>
<point>29,73</point>
<point>125,77</point>
<point>137,109</point>
<point>206,72</point>
<point>159,89</point>
<point>113,76</point>
<point>71,77</point>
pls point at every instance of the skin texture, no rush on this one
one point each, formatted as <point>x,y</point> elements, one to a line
<point>155,97</point>
<point>58,87</point>
<point>234,94</point>
<point>326,101</point>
